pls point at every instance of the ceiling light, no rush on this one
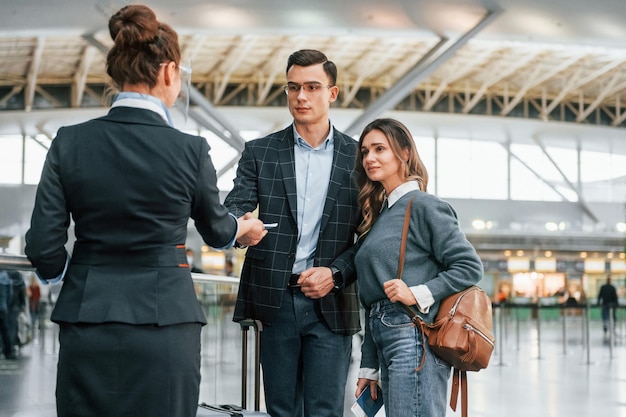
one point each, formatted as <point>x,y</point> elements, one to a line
<point>552,226</point>
<point>478,224</point>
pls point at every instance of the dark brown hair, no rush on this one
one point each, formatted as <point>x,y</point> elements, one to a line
<point>142,43</point>
<point>371,193</point>
<point>308,57</point>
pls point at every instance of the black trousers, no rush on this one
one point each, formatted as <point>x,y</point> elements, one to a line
<point>115,370</point>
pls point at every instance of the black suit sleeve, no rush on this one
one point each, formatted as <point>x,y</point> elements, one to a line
<point>212,220</point>
<point>45,241</point>
<point>244,196</point>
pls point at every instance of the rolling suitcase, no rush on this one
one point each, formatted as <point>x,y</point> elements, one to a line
<point>224,410</point>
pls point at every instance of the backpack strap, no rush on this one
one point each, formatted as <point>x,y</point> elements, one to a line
<point>417,321</point>
<point>459,378</point>
<point>405,232</point>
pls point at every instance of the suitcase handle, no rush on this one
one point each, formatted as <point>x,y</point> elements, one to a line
<point>258,328</point>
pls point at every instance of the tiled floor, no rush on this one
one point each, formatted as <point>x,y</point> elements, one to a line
<point>526,377</point>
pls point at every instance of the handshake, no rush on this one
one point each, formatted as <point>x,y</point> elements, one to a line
<point>251,230</point>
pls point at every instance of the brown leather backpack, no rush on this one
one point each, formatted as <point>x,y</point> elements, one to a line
<point>462,332</point>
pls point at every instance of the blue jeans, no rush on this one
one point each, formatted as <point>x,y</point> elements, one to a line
<point>305,365</point>
<point>400,349</point>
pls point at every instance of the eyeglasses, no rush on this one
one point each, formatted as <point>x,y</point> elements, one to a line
<point>312,87</point>
<point>184,69</point>
<point>185,86</point>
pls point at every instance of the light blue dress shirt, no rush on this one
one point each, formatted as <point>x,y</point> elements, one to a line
<point>313,166</point>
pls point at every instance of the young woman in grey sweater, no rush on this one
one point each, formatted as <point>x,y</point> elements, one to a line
<point>439,261</point>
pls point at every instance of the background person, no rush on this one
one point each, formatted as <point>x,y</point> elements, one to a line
<point>607,298</point>
<point>34,303</point>
<point>6,296</point>
<point>298,280</point>
<point>19,332</point>
<point>191,261</point>
<point>439,262</point>
<point>129,321</point>
<point>229,268</point>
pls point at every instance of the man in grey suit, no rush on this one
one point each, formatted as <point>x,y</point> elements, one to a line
<point>300,280</point>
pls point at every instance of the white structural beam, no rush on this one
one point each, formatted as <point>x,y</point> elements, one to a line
<point>493,80</point>
<point>581,201</point>
<point>232,136</point>
<point>16,89</point>
<point>538,76</point>
<point>49,97</point>
<point>619,116</point>
<point>368,65</point>
<point>608,90</point>
<point>276,66</point>
<point>577,81</point>
<point>535,173</point>
<point>421,70</point>
<point>189,53</point>
<point>230,65</point>
<point>459,72</point>
<point>80,77</point>
<point>89,37</point>
<point>33,70</point>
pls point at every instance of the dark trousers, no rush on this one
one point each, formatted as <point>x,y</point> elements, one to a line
<point>305,365</point>
<point>5,337</point>
<point>606,314</point>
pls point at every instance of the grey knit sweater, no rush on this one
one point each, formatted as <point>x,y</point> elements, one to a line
<point>437,255</point>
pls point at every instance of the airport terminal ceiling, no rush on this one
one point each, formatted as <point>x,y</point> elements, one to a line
<point>561,60</point>
<point>530,71</point>
<point>534,60</point>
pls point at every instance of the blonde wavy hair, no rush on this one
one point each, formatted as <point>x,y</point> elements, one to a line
<point>372,193</point>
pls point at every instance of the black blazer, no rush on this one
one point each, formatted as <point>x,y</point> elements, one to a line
<point>130,183</point>
<point>266,176</point>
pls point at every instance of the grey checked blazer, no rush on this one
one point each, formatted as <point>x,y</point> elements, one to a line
<point>266,177</point>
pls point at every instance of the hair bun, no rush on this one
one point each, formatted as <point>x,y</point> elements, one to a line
<point>133,26</point>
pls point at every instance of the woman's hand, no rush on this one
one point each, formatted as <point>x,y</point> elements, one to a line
<point>397,290</point>
<point>361,383</point>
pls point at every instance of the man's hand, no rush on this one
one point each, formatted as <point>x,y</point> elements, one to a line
<point>316,282</point>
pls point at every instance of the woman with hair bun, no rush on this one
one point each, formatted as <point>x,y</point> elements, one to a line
<point>129,321</point>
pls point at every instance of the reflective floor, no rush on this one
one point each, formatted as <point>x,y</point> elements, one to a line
<point>535,371</point>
